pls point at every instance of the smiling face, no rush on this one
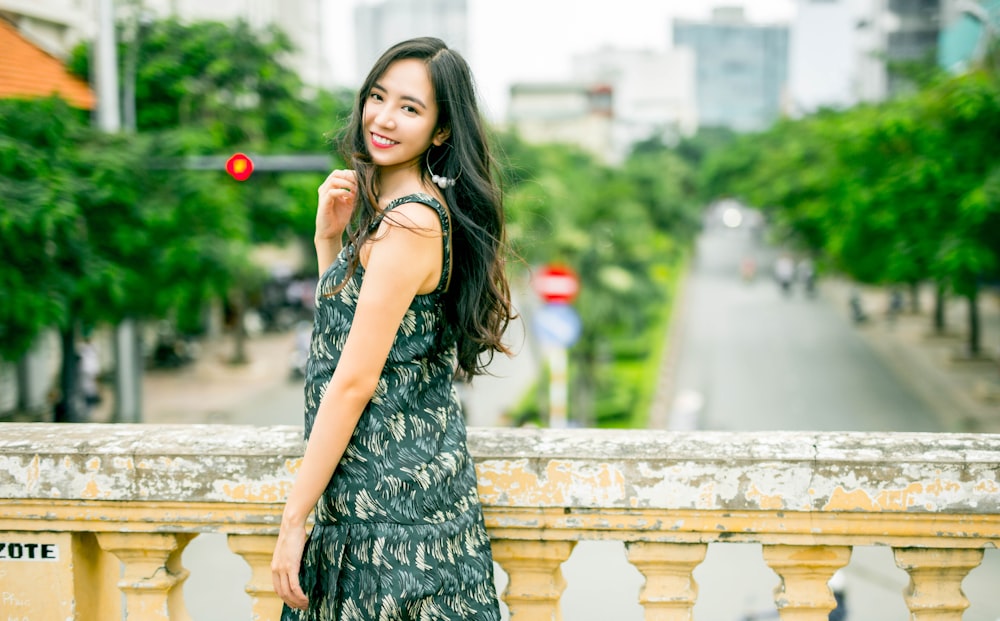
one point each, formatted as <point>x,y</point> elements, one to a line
<point>400,116</point>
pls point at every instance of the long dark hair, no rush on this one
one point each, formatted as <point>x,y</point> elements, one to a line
<point>477,308</point>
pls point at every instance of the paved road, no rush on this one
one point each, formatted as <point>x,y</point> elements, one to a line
<point>765,360</point>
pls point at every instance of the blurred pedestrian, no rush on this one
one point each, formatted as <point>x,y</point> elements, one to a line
<point>858,314</point>
<point>300,350</point>
<point>748,268</point>
<point>807,274</point>
<point>895,308</point>
<point>784,271</point>
<point>90,370</point>
<point>417,291</point>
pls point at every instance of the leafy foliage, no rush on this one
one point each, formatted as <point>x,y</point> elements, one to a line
<point>40,223</point>
<point>94,228</point>
<point>621,230</point>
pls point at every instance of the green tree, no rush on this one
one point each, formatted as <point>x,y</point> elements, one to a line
<point>92,235</point>
<point>697,150</point>
<point>726,170</point>
<point>665,185</point>
<point>226,88</point>
<point>886,216</point>
<point>789,171</point>
<point>915,206</point>
<point>38,219</point>
<point>963,114</point>
<point>226,79</point>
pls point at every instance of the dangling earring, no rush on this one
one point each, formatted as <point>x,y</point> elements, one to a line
<point>441,181</point>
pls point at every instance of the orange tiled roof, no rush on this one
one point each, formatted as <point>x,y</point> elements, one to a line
<point>27,71</point>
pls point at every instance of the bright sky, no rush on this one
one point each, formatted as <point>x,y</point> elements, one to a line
<point>533,40</point>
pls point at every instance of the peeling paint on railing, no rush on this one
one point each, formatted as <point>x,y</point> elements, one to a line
<point>783,471</point>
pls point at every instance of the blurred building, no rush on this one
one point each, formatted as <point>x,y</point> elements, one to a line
<point>741,68</point>
<point>58,25</point>
<point>911,29</point>
<point>846,51</point>
<point>381,25</point>
<point>967,29</point>
<point>55,25</point>
<point>27,71</point>
<point>301,20</point>
<point>654,96</point>
<point>887,33</point>
<point>821,60</point>
<point>570,113</point>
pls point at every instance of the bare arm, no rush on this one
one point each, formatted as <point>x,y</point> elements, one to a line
<point>326,252</point>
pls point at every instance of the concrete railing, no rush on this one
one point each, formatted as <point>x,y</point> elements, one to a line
<point>91,512</point>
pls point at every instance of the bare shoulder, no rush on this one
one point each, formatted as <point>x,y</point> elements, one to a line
<point>418,217</point>
<point>406,252</point>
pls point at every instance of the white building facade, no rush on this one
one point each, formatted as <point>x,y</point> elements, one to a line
<point>821,56</point>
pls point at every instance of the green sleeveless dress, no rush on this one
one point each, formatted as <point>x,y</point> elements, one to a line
<point>399,533</point>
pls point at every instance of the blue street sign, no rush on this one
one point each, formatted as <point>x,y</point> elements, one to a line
<point>557,325</point>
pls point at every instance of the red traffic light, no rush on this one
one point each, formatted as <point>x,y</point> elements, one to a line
<point>239,166</point>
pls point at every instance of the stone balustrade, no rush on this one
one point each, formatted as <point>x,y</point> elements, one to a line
<point>94,514</point>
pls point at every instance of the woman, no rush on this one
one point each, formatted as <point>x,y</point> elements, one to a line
<point>415,297</point>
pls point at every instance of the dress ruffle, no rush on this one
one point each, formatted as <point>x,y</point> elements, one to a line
<point>374,571</point>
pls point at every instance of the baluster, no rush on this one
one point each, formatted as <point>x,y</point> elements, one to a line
<point>936,574</point>
<point>804,594</point>
<point>670,591</point>
<point>257,550</point>
<point>536,580</point>
<point>153,574</point>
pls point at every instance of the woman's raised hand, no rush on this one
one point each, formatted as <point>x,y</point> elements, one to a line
<point>336,203</point>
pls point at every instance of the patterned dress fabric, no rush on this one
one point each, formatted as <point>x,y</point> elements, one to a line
<point>399,533</point>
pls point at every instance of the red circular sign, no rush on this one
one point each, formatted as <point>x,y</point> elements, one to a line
<point>556,284</point>
<point>239,166</point>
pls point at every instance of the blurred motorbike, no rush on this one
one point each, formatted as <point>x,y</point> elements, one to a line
<point>300,351</point>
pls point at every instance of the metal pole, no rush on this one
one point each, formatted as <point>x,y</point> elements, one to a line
<point>128,377</point>
<point>126,343</point>
<point>558,359</point>
<point>128,88</point>
<point>106,65</point>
